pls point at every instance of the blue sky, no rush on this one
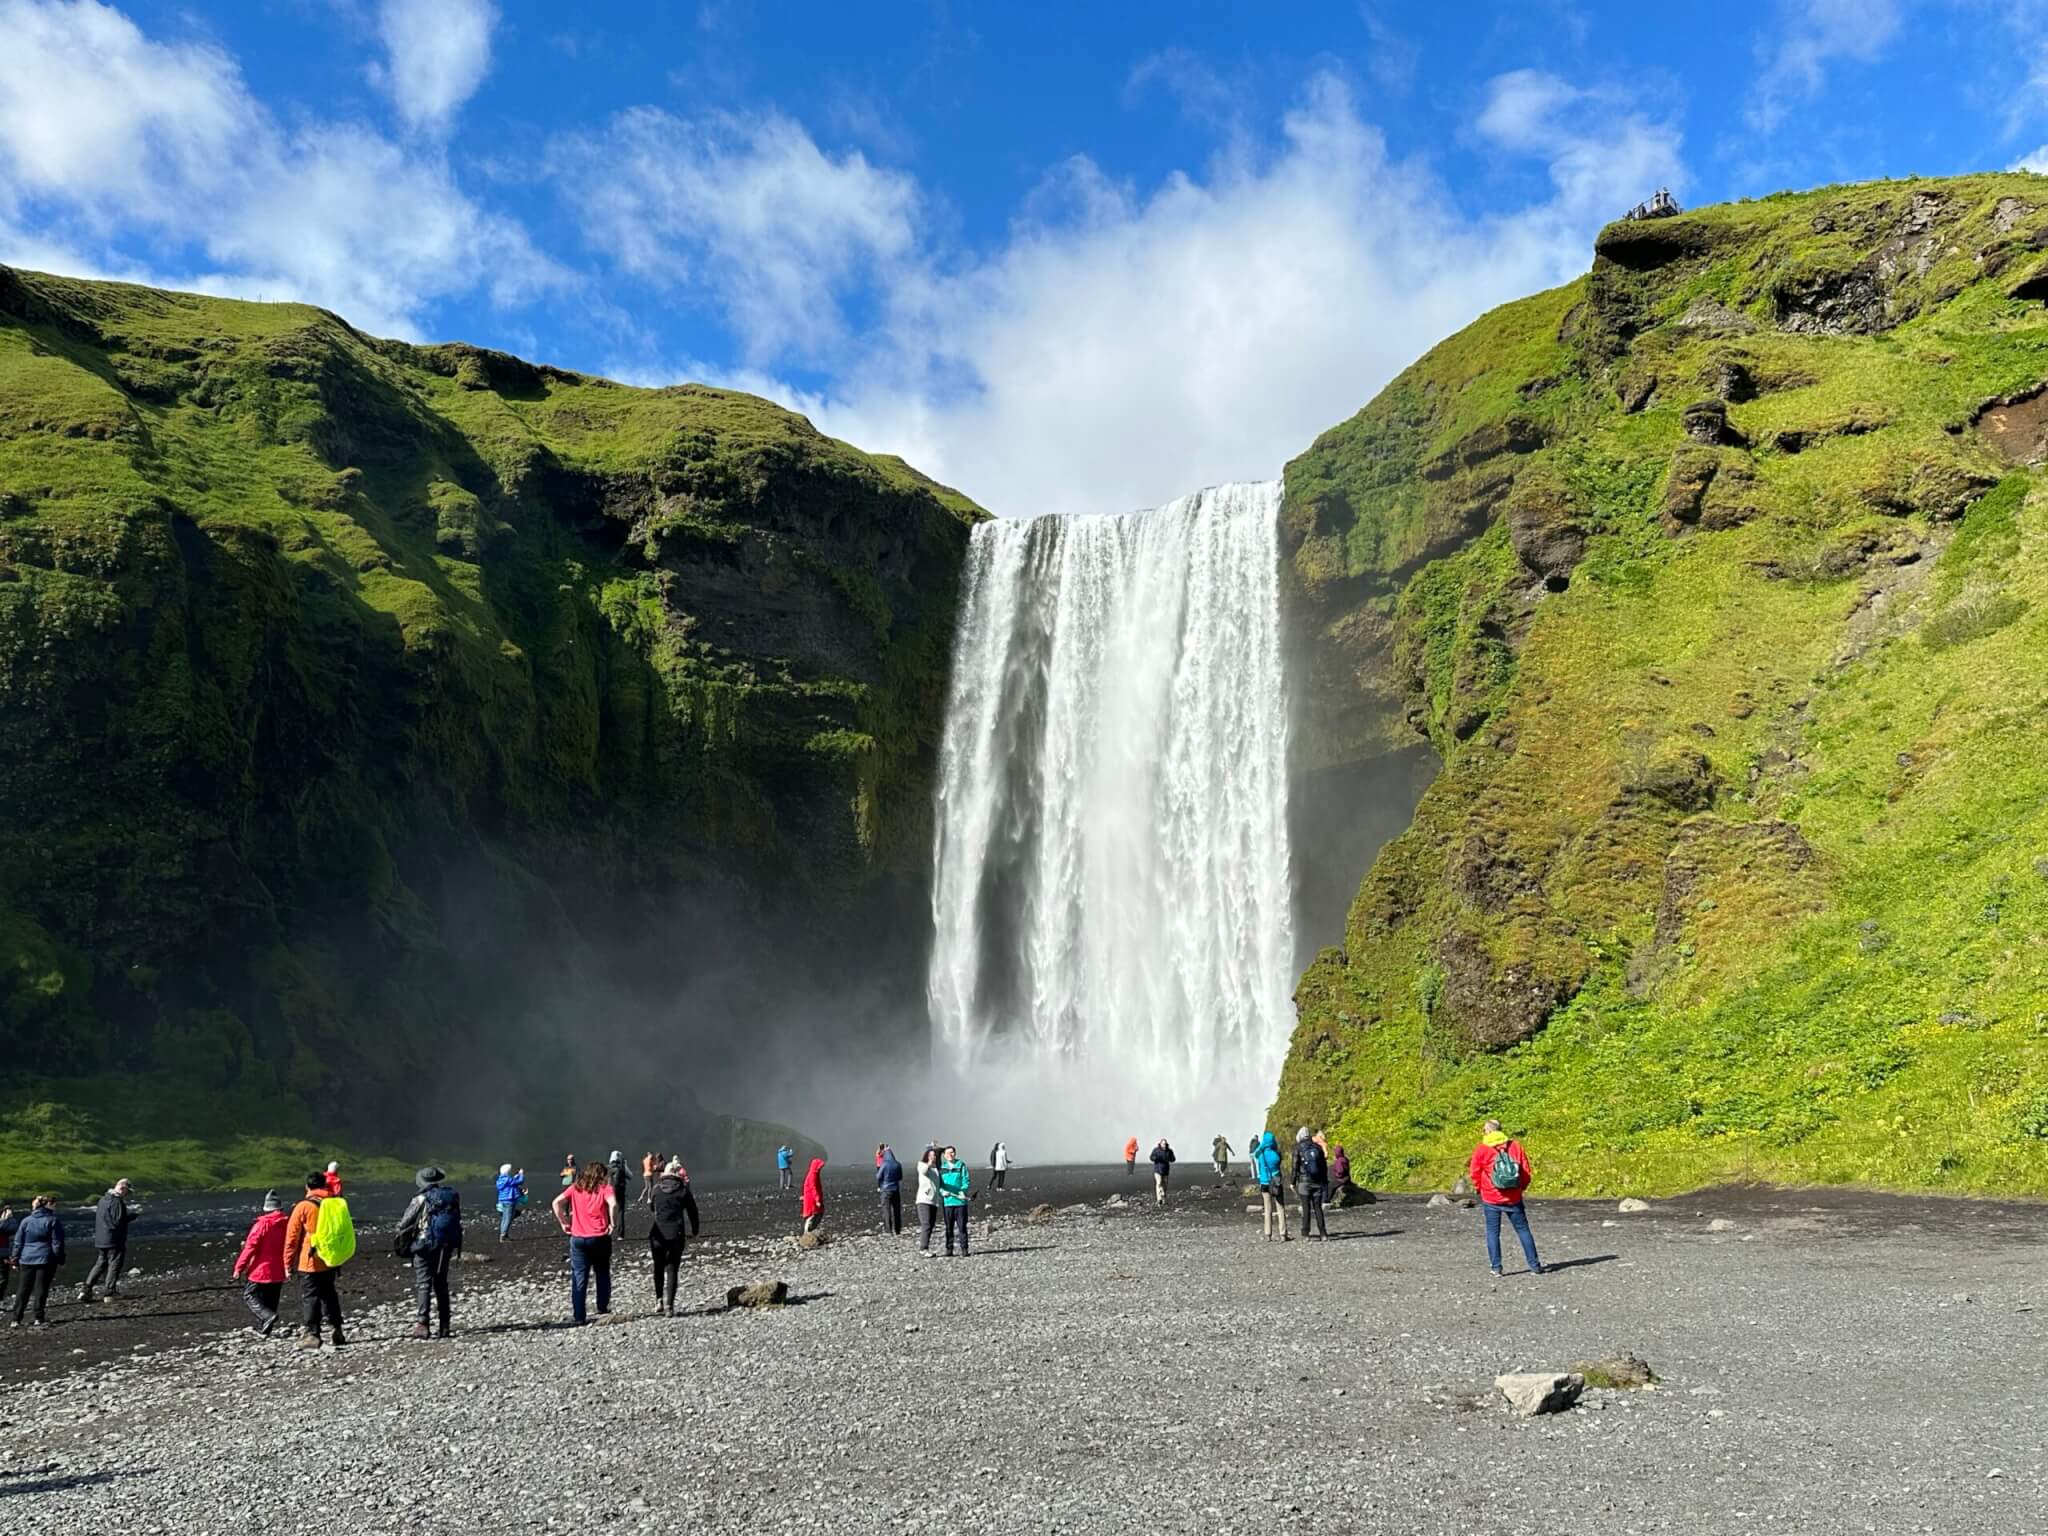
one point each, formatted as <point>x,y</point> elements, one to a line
<point>1067,257</point>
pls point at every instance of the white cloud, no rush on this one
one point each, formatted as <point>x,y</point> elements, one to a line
<point>1124,346</point>
<point>437,53</point>
<point>749,210</point>
<point>1808,36</point>
<point>127,155</point>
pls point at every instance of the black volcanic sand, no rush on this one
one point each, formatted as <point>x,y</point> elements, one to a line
<point>1830,1361</point>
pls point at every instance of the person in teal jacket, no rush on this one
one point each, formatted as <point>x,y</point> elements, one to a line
<point>1266,1166</point>
<point>955,1190</point>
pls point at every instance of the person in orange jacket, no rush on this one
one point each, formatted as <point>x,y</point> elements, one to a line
<point>316,1280</point>
<point>260,1264</point>
<point>1131,1156</point>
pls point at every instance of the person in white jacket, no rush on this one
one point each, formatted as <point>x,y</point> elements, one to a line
<point>927,1199</point>
<point>999,1164</point>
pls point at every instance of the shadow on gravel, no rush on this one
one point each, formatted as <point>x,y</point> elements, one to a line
<point>548,1325</point>
<point>1555,1265</point>
<point>9,1490</point>
<point>992,1253</point>
<point>104,1319</point>
<point>1346,1237</point>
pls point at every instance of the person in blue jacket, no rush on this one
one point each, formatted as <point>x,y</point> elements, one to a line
<point>782,1157</point>
<point>1266,1166</point>
<point>511,1197</point>
<point>889,1180</point>
<point>37,1251</point>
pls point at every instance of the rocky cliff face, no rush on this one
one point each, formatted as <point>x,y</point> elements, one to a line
<point>1715,583</point>
<point>374,716</point>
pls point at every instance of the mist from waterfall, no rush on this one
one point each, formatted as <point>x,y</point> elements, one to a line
<point>1113,942</point>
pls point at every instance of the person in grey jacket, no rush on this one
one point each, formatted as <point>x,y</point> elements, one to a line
<point>110,1220</point>
<point>37,1251</point>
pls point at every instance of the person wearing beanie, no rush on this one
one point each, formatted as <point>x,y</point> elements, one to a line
<point>260,1264</point>
<point>430,1233</point>
<point>675,1222</point>
<point>511,1197</point>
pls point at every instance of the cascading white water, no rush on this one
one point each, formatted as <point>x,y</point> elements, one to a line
<point>1111,898</point>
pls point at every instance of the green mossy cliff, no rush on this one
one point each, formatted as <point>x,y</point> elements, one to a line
<point>353,694</point>
<point>1718,582</point>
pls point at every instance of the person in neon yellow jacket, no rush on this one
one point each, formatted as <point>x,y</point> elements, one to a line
<point>955,1190</point>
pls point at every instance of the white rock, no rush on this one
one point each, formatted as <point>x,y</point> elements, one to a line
<point>1720,1224</point>
<point>1632,1206</point>
<point>1440,1202</point>
<point>1532,1392</point>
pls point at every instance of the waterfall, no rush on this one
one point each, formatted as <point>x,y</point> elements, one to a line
<point>1111,899</point>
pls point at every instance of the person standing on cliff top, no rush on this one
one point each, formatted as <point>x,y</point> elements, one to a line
<point>110,1219</point>
<point>1500,1171</point>
<point>1131,1156</point>
<point>1162,1167</point>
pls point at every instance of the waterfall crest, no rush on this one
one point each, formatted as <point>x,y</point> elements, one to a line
<point>1111,898</point>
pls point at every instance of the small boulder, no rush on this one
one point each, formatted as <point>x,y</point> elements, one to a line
<point>1041,1215</point>
<point>1352,1194</point>
<point>1617,1372</point>
<point>1720,1224</point>
<point>1440,1202</point>
<point>810,1240</point>
<point>1632,1206</point>
<point>763,1293</point>
<point>1532,1392</point>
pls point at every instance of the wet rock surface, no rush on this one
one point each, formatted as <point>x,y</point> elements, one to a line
<point>1099,1374</point>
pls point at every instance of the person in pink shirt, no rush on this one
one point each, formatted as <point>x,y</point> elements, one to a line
<point>588,1211</point>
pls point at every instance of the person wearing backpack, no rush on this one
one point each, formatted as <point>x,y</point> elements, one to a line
<point>1500,1171</point>
<point>1312,1183</point>
<point>260,1264</point>
<point>675,1223</point>
<point>318,1240</point>
<point>1266,1168</point>
<point>430,1232</point>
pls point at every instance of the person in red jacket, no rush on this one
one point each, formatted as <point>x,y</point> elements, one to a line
<point>814,1196</point>
<point>1502,1196</point>
<point>260,1265</point>
<point>334,1178</point>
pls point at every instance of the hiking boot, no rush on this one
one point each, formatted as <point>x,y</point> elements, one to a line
<point>444,1333</point>
<point>339,1340</point>
<point>420,1331</point>
<point>309,1341</point>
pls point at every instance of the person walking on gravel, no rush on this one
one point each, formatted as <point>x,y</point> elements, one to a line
<point>1500,1171</point>
<point>1219,1153</point>
<point>260,1264</point>
<point>998,1165</point>
<point>814,1195</point>
<point>1267,1166</point>
<point>37,1252</point>
<point>318,1280</point>
<point>1311,1182</point>
<point>1162,1168</point>
<point>110,1219</point>
<point>587,1212</point>
<point>889,1181</point>
<point>675,1223</point>
<point>955,1190</point>
<point>431,1231</point>
<point>783,1155</point>
<point>928,1199</point>
<point>1131,1156</point>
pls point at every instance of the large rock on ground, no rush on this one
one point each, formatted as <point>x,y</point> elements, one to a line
<point>1532,1392</point>
<point>764,1293</point>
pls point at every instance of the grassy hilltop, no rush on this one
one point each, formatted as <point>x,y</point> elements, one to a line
<point>355,695</point>
<point>1718,581</point>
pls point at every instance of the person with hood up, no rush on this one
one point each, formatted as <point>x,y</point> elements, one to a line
<point>621,1181</point>
<point>37,1251</point>
<point>260,1264</point>
<point>1340,1167</point>
<point>1131,1156</point>
<point>814,1195</point>
<point>334,1178</point>
<point>110,1219</point>
<point>675,1222</point>
<point>318,1283</point>
<point>430,1231</point>
<point>1267,1166</point>
<point>783,1155</point>
<point>956,1189</point>
<point>587,1212</point>
<point>1500,1171</point>
<point>511,1198</point>
<point>928,1199</point>
<point>1162,1167</point>
<point>1311,1182</point>
<point>998,1164</point>
<point>1219,1154</point>
<point>889,1180</point>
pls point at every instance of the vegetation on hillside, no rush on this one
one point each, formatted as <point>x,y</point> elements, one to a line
<point>1718,580</point>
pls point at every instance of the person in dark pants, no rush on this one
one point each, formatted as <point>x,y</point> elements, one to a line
<point>675,1222</point>
<point>998,1165</point>
<point>317,1279</point>
<point>955,1190</point>
<point>1311,1182</point>
<point>432,1228</point>
<point>1499,1169</point>
<point>588,1212</point>
<point>110,1220</point>
<point>8,1223</point>
<point>621,1181</point>
<point>260,1264</point>
<point>928,1206</point>
<point>37,1251</point>
<point>889,1180</point>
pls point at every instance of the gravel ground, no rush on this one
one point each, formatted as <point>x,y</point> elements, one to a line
<point>1830,1364</point>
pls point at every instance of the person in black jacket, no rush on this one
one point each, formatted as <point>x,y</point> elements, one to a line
<point>1162,1166</point>
<point>621,1180</point>
<point>675,1207</point>
<point>8,1223</point>
<point>1311,1182</point>
<point>37,1251</point>
<point>430,1233</point>
<point>110,1220</point>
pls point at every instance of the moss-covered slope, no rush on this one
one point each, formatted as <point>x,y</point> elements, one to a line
<point>349,690</point>
<point>1719,582</point>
